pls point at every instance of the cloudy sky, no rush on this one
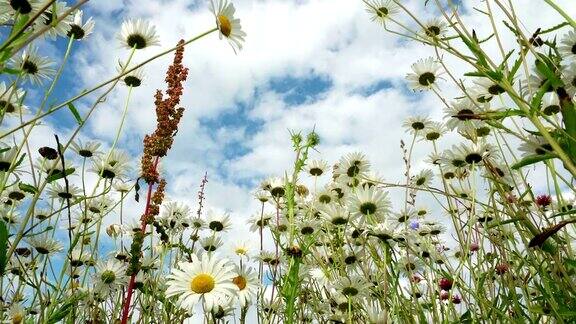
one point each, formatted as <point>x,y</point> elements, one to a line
<point>306,64</point>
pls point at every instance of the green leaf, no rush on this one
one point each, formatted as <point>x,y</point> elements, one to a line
<point>75,113</point>
<point>537,100</point>
<point>10,71</point>
<point>532,159</point>
<point>65,307</point>
<point>3,246</point>
<point>27,188</point>
<point>60,175</point>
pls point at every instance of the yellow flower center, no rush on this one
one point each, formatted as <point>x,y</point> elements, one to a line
<point>202,283</point>
<point>225,25</point>
<point>241,251</point>
<point>240,282</point>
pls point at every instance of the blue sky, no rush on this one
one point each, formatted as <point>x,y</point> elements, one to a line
<point>318,64</point>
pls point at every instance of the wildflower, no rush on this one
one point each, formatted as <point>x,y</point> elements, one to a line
<point>115,165</point>
<point>487,89</point>
<point>80,30</point>
<point>381,10</point>
<point>445,284</point>
<point>100,205</point>
<point>176,215</point>
<point>24,7</point>
<point>434,28</point>
<point>48,153</point>
<point>242,248</point>
<point>353,287</point>
<point>308,227</point>
<point>34,68</point>
<point>138,34</point>
<point>206,279</point>
<point>502,268</point>
<point>7,157</point>
<point>110,275</point>
<point>462,112</point>
<point>133,78</point>
<point>218,222</point>
<point>567,47</point>
<point>262,196</point>
<point>59,191</point>
<point>259,221</point>
<point>535,145</point>
<point>335,214</point>
<point>352,165</point>
<point>48,18</point>
<point>550,104</point>
<point>416,124</point>
<point>426,74</point>
<point>423,178</point>
<point>247,282</point>
<point>317,167</point>
<point>433,131</point>
<point>211,243</point>
<point>569,78</point>
<point>122,187</point>
<point>85,149</point>
<point>10,100</point>
<point>543,200</point>
<point>228,26</point>
<point>17,314</point>
<point>45,245</point>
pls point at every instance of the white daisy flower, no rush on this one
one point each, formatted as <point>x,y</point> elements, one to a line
<point>276,187</point>
<point>317,168</point>
<point>433,131</point>
<point>486,89</point>
<point>353,287</point>
<point>175,215</point>
<point>8,157</point>
<point>461,113</point>
<point>85,149</point>
<point>34,68</point>
<point>246,280</point>
<point>110,275</point>
<point>569,78</point>
<point>423,178</point>
<point>78,28</point>
<point>59,191</point>
<point>43,244</point>
<point>211,243</point>
<point>369,202</point>
<point>426,74</point>
<point>535,145</point>
<point>115,165</point>
<point>434,28</point>
<point>415,124</point>
<point>228,26</point>
<point>10,100</point>
<point>242,248</point>
<point>567,47</point>
<point>138,34</point>
<point>335,214</point>
<point>24,7</point>
<point>218,222</point>
<point>352,165</point>
<point>202,280</point>
<point>48,17</point>
<point>259,221</point>
<point>381,10</point>
<point>550,103</point>
<point>134,78</point>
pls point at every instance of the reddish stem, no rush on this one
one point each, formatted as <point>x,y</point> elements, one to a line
<point>132,283</point>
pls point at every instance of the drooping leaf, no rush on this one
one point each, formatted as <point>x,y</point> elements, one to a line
<point>532,159</point>
<point>27,188</point>
<point>75,113</point>
<point>60,175</point>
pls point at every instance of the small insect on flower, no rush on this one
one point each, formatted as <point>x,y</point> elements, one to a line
<point>426,74</point>
<point>35,68</point>
<point>138,34</point>
<point>78,29</point>
<point>208,279</point>
<point>228,26</point>
<point>11,100</point>
<point>381,10</point>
